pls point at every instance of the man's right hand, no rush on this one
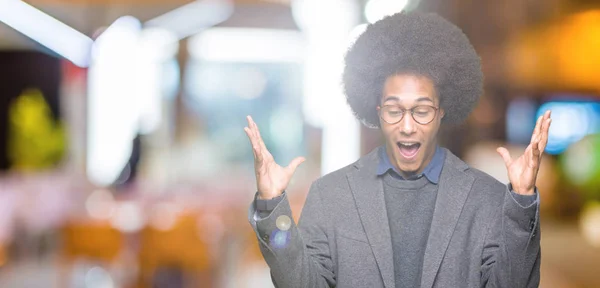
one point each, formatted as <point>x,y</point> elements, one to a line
<point>271,179</point>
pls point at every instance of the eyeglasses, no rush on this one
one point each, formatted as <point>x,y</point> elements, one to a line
<point>422,114</point>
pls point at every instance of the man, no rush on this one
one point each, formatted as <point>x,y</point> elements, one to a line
<point>410,213</point>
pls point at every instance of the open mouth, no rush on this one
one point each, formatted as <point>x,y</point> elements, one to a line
<point>408,150</point>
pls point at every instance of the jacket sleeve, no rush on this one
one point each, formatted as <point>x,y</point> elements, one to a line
<point>298,256</point>
<point>265,207</point>
<point>511,252</point>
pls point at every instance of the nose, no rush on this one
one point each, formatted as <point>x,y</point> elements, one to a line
<point>408,125</point>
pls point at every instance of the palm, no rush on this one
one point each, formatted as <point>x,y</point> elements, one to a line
<point>270,175</point>
<point>271,178</point>
<point>522,172</point>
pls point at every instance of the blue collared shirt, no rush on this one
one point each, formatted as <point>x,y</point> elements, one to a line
<point>432,172</point>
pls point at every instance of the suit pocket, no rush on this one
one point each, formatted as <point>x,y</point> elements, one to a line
<point>356,236</point>
<point>356,264</point>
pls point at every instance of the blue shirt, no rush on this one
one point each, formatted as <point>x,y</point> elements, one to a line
<point>432,172</point>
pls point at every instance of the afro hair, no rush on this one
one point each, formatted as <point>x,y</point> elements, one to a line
<point>415,43</point>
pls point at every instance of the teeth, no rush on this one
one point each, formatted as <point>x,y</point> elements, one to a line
<point>408,144</point>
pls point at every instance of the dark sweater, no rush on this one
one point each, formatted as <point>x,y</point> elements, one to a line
<point>410,205</point>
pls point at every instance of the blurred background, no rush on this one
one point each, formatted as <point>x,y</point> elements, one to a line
<point>123,160</point>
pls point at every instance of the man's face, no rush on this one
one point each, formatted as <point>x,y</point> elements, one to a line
<point>409,144</point>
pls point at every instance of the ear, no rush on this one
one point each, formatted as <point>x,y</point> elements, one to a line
<point>442,113</point>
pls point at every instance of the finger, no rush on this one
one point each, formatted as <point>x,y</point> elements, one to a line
<point>258,136</point>
<point>251,127</point>
<point>535,159</point>
<point>251,133</point>
<point>547,115</point>
<point>255,147</point>
<point>542,128</point>
<point>294,164</point>
<point>250,136</point>
<point>535,148</point>
<point>261,141</point>
<point>505,155</point>
<point>263,154</point>
<point>536,130</point>
<point>544,136</point>
<point>267,155</point>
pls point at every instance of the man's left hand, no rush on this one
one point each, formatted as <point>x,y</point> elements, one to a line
<point>523,171</point>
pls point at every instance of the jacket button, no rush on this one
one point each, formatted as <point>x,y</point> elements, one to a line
<point>265,237</point>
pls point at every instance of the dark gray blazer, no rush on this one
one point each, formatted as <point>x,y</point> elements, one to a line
<point>480,236</point>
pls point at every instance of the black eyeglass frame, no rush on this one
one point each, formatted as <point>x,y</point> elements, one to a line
<point>436,109</point>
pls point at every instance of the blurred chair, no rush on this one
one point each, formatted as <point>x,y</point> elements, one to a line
<point>92,241</point>
<point>3,256</point>
<point>97,241</point>
<point>176,255</point>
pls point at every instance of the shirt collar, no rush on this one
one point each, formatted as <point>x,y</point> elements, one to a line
<point>432,172</point>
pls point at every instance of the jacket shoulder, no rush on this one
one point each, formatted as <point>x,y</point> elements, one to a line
<point>335,177</point>
<point>339,176</point>
<point>488,187</point>
<point>485,178</point>
<point>481,178</point>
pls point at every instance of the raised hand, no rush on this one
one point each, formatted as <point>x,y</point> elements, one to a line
<point>523,171</point>
<point>271,179</point>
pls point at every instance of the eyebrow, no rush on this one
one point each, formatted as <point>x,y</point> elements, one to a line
<point>395,98</point>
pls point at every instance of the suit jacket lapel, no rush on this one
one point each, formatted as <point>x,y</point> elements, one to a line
<point>368,195</point>
<point>454,188</point>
